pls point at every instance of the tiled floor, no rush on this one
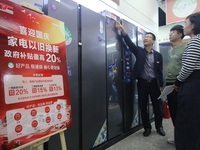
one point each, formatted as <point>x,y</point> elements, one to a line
<point>154,141</point>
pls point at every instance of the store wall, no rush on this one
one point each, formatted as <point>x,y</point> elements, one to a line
<point>144,12</point>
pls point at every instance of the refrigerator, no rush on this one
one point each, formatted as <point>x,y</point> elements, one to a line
<point>86,55</point>
<point>67,11</point>
<point>114,77</point>
<point>131,110</point>
<point>93,79</point>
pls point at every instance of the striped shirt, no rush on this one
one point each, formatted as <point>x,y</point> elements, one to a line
<point>191,59</point>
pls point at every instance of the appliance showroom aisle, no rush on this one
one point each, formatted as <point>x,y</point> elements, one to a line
<point>154,141</point>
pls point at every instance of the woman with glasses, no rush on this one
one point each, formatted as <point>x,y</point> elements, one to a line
<point>187,125</point>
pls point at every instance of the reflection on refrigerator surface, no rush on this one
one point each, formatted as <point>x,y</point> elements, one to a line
<point>114,79</point>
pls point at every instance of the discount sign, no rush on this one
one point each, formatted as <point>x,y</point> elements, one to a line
<point>34,97</point>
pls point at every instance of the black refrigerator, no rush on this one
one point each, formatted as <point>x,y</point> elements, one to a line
<point>114,77</point>
<point>104,102</point>
<point>131,109</point>
<point>93,79</point>
<point>67,11</point>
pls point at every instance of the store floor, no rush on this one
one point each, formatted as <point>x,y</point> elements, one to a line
<point>154,141</point>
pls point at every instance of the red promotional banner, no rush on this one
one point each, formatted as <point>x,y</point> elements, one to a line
<point>34,97</point>
<point>178,10</point>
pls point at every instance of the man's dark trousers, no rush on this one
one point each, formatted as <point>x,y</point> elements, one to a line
<point>145,89</point>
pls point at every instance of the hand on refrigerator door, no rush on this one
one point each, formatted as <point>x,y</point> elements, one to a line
<point>120,27</point>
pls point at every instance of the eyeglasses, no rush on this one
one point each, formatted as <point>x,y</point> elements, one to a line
<point>147,37</point>
<point>171,32</point>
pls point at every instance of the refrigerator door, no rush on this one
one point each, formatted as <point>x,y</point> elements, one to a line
<point>131,110</point>
<point>67,11</point>
<point>114,79</point>
<point>93,79</point>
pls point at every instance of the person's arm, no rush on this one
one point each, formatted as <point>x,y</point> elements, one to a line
<point>127,39</point>
<point>120,27</point>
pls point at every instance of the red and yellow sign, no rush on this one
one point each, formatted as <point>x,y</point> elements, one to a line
<point>34,88</point>
<point>178,10</point>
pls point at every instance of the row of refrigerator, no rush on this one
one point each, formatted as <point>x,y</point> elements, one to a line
<point>103,98</point>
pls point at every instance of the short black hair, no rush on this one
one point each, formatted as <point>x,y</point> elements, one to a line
<point>195,19</point>
<point>179,29</point>
<point>154,37</point>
